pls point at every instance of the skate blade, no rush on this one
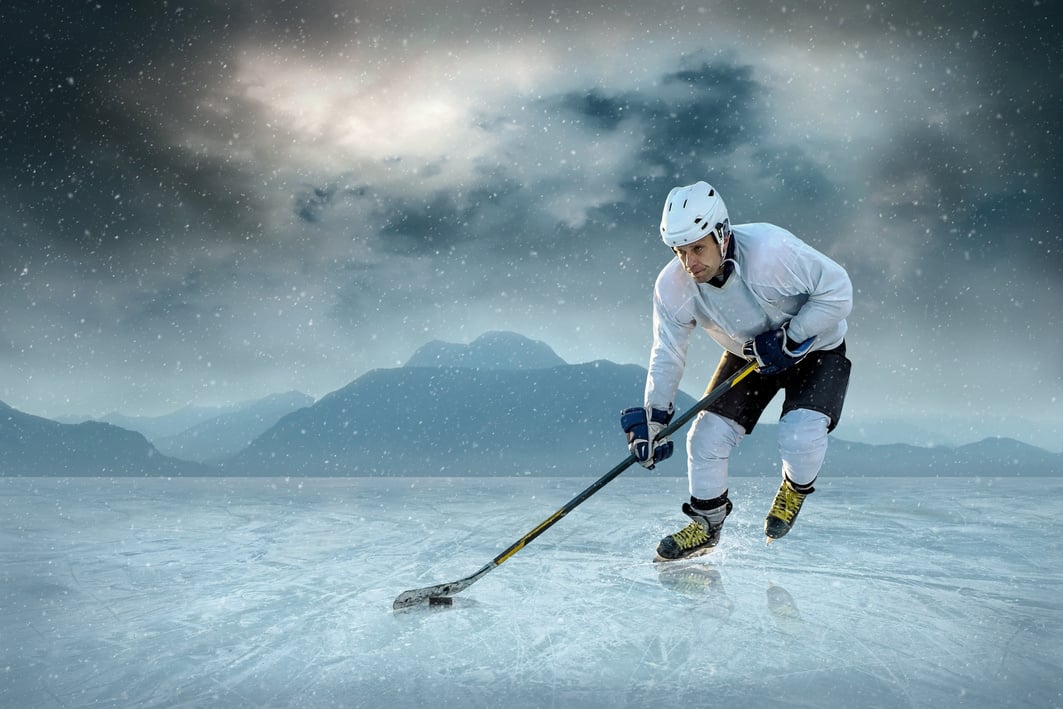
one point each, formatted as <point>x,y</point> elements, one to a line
<point>694,555</point>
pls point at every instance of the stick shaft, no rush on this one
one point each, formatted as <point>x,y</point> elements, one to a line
<point>412,597</point>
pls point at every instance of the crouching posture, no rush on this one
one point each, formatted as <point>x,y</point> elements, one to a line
<point>762,294</point>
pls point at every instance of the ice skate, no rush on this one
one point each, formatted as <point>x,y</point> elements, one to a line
<point>697,538</point>
<point>784,509</point>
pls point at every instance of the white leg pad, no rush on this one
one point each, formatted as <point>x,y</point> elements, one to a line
<point>803,444</point>
<point>709,445</point>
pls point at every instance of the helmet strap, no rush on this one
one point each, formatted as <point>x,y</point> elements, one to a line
<point>727,260</point>
<point>722,231</point>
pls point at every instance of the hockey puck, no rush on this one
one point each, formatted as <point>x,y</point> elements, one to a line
<point>441,601</point>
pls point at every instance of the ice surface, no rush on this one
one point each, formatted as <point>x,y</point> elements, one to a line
<point>271,592</point>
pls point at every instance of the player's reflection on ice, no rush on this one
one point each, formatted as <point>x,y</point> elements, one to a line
<point>702,580</point>
<point>698,580</point>
<point>783,609</point>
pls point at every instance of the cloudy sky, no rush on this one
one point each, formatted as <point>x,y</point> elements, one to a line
<point>211,202</point>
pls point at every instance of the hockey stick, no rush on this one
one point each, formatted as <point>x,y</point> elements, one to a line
<point>438,594</point>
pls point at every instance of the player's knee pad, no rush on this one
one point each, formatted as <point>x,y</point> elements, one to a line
<point>709,445</point>
<point>803,444</point>
<point>712,437</point>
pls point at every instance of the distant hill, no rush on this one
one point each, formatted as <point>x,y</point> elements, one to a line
<point>501,405</point>
<point>30,445</point>
<point>932,430</point>
<point>992,457</point>
<point>456,421</point>
<point>226,435</point>
<point>156,428</point>
<point>492,350</point>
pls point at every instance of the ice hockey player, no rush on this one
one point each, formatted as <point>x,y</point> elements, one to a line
<point>764,295</point>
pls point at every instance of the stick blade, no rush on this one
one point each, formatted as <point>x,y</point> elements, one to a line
<point>408,599</point>
<point>417,596</point>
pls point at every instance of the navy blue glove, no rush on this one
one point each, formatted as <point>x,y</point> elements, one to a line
<point>775,352</point>
<point>642,426</point>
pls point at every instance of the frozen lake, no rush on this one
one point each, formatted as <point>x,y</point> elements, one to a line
<point>272,592</point>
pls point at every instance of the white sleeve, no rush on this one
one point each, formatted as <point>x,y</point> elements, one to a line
<point>784,267</point>
<point>671,337</point>
<point>830,294</point>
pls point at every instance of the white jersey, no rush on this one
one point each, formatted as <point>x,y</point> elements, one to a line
<point>777,278</point>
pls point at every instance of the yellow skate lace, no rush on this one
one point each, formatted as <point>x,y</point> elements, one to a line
<point>690,536</point>
<point>787,504</point>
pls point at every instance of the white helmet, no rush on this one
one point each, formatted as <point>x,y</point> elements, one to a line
<point>692,213</point>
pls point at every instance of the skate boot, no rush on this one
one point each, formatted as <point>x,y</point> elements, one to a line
<point>784,509</point>
<point>701,535</point>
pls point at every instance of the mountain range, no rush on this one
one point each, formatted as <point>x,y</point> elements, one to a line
<point>225,435</point>
<point>31,445</point>
<point>501,405</point>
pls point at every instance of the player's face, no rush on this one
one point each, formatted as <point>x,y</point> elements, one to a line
<point>701,259</point>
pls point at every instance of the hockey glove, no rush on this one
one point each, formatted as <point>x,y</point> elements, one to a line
<point>774,351</point>
<point>642,426</point>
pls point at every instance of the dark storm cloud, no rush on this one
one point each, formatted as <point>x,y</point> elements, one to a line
<point>972,199</point>
<point>79,140</point>
<point>437,224</point>
<point>313,204</point>
<point>490,215</point>
<point>706,110</point>
<point>596,108</point>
